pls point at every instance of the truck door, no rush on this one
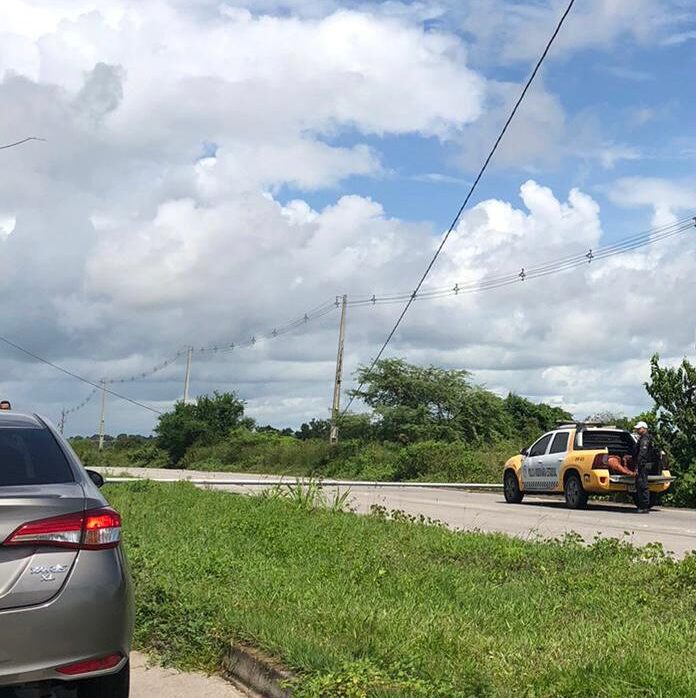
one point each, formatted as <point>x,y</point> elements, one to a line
<point>533,469</point>
<point>553,461</point>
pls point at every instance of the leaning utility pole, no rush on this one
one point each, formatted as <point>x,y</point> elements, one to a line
<point>187,376</point>
<point>103,413</point>
<point>336,407</point>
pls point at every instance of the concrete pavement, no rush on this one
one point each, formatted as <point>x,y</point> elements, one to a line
<point>148,682</point>
<point>545,517</point>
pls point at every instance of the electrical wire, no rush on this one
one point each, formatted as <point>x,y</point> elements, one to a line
<point>472,189</point>
<point>22,142</point>
<point>77,376</point>
<point>150,372</point>
<point>584,258</point>
<point>82,404</point>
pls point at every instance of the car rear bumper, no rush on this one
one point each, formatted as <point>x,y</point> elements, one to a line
<point>602,482</point>
<point>91,617</point>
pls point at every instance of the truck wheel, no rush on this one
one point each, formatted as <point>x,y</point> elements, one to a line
<point>575,495</point>
<point>511,488</point>
<point>112,686</point>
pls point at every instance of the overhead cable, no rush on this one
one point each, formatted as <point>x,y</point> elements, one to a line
<point>77,376</point>
<point>556,266</point>
<point>22,142</point>
<point>472,189</point>
<point>82,404</point>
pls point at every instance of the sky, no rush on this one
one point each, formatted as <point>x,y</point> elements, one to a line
<point>213,169</point>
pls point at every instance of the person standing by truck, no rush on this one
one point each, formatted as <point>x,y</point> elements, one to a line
<point>644,460</point>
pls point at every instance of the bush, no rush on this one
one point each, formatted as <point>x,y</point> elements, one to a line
<point>265,452</point>
<point>683,491</point>
<point>452,461</point>
<point>120,453</point>
<point>206,421</point>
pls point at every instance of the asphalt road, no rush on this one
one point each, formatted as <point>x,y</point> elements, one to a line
<point>536,517</point>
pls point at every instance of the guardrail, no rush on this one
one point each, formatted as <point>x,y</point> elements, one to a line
<point>246,482</point>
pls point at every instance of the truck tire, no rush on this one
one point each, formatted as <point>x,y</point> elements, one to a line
<point>575,495</point>
<point>511,488</point>
<point>112,686</point>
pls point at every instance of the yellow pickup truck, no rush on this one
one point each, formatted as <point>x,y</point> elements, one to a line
<point>576,460</point>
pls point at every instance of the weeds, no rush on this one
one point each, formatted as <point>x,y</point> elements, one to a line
<point>382,606</point>
<point>309,495</point>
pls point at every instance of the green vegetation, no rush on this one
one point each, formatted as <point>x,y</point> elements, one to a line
<point>425,423</point>
<point>674,421</point>
<point>380,606</point>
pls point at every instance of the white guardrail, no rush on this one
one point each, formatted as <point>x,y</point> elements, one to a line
<point>246,482</point>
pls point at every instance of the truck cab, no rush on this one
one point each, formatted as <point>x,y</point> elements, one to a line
<point>579,460</point>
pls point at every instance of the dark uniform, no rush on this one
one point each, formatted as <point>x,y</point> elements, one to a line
<point>645,462</point>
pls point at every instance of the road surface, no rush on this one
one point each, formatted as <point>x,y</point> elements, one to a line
<point>155,682</point>
<point>544,517</point>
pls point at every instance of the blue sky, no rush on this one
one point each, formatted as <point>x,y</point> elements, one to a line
<point>637,98</point>
<point>213,169</point>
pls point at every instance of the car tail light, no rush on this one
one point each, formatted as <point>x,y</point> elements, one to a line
<point>91,665</point>
<point>600,462</point>
<point>95,529</point>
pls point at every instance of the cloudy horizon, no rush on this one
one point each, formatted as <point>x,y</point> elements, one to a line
<point>213,169</point>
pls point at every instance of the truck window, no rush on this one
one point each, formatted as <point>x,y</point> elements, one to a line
<point>618,442</point>
<point>560,442</point>
<point>539,448</point>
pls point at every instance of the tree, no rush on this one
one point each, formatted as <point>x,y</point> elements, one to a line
<point>314,429</point>
<point>674,393</point>
<point>530,419</point>
<point>205,421</point>
<point>414,403</point>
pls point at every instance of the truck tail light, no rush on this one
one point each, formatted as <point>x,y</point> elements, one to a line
<point>600,462</point>
<point>95,529</point>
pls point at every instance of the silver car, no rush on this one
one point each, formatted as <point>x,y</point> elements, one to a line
<point>66,605</point>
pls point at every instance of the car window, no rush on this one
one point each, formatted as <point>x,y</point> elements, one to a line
<point>560,442</point>
<point>539,448</point>
<point>31,457</point>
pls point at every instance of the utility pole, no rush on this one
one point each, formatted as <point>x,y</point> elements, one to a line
<point>61,424</point>
<point>103,412</point>
<point>336,407</point>
<point>187,376</point>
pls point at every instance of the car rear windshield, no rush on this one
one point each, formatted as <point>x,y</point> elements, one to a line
<point>31,456</point>
<point>614,440</point>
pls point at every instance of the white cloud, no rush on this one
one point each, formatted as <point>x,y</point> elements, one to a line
<point>153,216</point>
<point>510,32</point>
<point>668,199</point>
<point>7,225</point>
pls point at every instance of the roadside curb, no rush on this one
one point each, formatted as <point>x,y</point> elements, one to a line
<point>257,672</point>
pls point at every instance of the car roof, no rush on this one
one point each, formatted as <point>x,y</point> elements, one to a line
<point>595,427</point>
<point>18,420</point>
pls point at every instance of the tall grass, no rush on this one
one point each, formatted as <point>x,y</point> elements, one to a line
<point>382,606</point>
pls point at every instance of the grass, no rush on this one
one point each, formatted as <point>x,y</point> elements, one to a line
<point>368,606</point>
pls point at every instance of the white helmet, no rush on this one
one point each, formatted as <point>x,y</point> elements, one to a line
<point>640,425</point>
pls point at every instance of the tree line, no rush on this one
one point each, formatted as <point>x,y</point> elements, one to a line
<point>421,421</point>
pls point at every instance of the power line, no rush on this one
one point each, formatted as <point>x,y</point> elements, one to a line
<point>76,376</point>
<point>472,189</point>
<point>149,372</point>
<point>82,404</point>
<point>22,142</point>
<point>584,258</point>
